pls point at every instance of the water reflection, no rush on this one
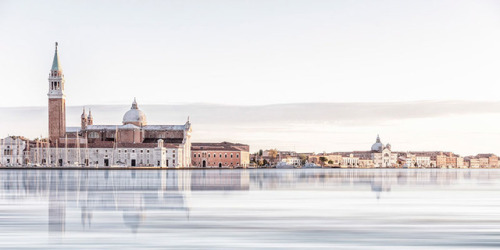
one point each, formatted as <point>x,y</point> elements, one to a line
<point>255,208</point>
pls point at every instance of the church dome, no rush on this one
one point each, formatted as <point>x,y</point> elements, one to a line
<point>135,116</point>
<point>377,146</point>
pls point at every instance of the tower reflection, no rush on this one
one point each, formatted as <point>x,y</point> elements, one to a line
<point>136,197</point>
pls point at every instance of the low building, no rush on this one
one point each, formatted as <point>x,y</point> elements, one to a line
<point>13,151</point>
<point>291,160</point>
<point>492,159</point>
<point>365,163</point>
<point>220,155</point>
<point>350,161</point>
<point>424,161</point>
<point>473,162</point>
<point>335,159</point>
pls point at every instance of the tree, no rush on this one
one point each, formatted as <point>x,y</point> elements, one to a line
<point>303,159</point>
<point>330,162</point>
<point>260,152</point>
<point>323,159</point>
<point>273,153</point>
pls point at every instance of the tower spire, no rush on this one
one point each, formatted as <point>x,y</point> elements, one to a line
<point>56,66</point>
<point>90,119</point>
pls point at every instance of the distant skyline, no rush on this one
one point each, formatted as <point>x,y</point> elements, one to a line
<point>251,52</point>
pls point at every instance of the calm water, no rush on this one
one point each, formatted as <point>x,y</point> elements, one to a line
<point>228,209</point>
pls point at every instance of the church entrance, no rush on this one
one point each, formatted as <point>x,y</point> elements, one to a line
<point>60,163</point>
<point>106,162</point>
<point>204,163</point>
<point>132,163</point>
<point>220,165</point>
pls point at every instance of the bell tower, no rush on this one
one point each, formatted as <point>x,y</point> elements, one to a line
<point>57,101</point>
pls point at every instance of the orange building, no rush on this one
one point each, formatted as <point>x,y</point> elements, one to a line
<point>220,155</point>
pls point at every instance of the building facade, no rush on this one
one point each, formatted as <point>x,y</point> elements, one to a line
<point>220,155</point>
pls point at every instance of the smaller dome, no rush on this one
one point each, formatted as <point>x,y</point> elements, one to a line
<point>135,116</point>
<point>377,146</point>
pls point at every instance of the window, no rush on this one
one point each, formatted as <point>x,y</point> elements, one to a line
<point>220,155</point>
<point>209,155</point>
<point>231,155</point>
<point>237,156</point>
<point>147,151</point>
<point>225,155</point>
<point>93,135</point>
<point>142,151</point>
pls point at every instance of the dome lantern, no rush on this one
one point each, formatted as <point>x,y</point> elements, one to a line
<point>135,116</point>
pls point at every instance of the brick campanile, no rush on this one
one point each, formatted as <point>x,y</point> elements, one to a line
<point>57,101</point>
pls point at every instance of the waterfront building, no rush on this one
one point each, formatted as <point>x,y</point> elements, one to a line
<point>220,155</point>
<point>350,161</point>
<point>365,163</point>
<point>335,159</point>
<point>407,160</point>
<point>382,156</point>
<point>472,162</point>
<point>424,161</point>
<point>13,151</point>
<point>291,160</point>
<point>492,159</point>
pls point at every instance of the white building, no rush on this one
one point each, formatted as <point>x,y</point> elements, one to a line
<point>291,160</point>
<point>382,156</point>
<point>170,156</point>
<point>12,151</point>
<point>350,162</point>
<point>423,161</point>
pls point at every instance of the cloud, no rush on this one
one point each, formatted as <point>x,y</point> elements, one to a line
<point>216,115</point>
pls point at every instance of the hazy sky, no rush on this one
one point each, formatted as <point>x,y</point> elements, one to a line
<point>462,127</point>
<point>251,52</point>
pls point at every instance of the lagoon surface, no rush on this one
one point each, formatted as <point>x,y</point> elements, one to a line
<point>261,208</point>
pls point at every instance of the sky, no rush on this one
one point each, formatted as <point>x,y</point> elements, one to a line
<point>244,54</point>
<point>251,52</point>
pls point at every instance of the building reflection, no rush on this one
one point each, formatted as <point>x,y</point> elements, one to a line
<point>134,194</point>
<point>378,181</point>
